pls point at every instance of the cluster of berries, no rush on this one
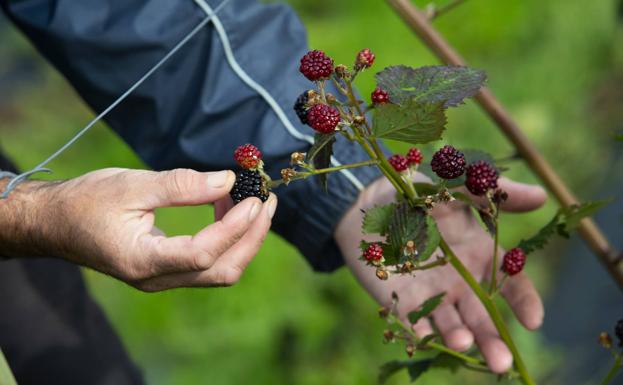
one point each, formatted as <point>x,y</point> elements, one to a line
<point>317,66</point>
<point>402,163</point>
<point>250,182</point>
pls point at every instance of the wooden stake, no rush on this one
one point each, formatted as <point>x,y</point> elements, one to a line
<point>589,231</point>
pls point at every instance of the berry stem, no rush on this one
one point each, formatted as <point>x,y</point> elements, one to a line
<point>613,370</point>
<point>302,175</point>
<point>492,309</point>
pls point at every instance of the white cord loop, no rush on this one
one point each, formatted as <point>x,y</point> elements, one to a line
<point>16,179</point>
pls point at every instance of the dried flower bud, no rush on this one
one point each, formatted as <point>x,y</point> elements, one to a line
<point>605,340</point>
<point>499,196</point>
<point>358,120</point>
<point>410,349</point>
<point>407,267</point>
<point>429,202</point>
<point>341,71</point>
<point>331,99</point>
<point>382,274</point>
<point>410,249</point>
<point>297,158</point>
<point>388,336</point>
<point>446,197</point>
<point>384,312</point>
<point>287,174</point>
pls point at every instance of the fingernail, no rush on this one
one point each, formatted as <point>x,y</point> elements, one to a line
<point>272,206</point>
<point>255,209</point>
<point>217,179</point>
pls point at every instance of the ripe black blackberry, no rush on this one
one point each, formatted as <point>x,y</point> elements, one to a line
<point>249,184</point>
<point>481,177</point>
<point>618,331</point>
<point>448,163</point>
<point>300,106</point>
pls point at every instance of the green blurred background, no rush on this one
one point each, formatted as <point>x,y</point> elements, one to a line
<point>557,65</point>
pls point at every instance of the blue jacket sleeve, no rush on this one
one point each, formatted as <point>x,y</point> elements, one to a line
<point>233,83</point>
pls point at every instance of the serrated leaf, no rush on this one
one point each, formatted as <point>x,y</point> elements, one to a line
<point>414,368</point>
<point>376,220</point>
<point>319,155</point>
<point>565,221</point>
<point>447,84</point>
<point>412,122</point>
<point>426,308</point>
<point>573,215</point>
<point>433,237</point>
<point>540,239</point>
<point>407,224</point>
<point>447,361</point>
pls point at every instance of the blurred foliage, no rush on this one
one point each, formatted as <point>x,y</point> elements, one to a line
<point>556,66</point>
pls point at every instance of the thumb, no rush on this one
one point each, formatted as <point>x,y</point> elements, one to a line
<point>186,187</point>
<point>521,196</point>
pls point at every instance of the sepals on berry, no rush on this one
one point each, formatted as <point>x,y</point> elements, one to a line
<point>248,157</point>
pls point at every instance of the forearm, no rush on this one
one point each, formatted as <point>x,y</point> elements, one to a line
<point>26,219</point>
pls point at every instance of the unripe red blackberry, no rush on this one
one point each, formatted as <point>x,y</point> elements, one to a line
<point>323,118</point>
<point>248,156</point>
<point>300,106</point>
<point>398,162</point>
<point>448,163</point>
<point>379,96</point>
<point>481,177</point>
<point>365,59</point>
<point>618,331</point>
<point>374,253</point>
<point>316,65</point>
<point>248,184</point>
<point>514,261</point>
<point>414,156</point>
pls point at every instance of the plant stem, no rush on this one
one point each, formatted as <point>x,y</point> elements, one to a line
<point>492,309</point>
<point>613,370</point>
<point>302,175</point>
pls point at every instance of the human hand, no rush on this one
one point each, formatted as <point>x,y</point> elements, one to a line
<point>461,319</point>
<point>105,220</point>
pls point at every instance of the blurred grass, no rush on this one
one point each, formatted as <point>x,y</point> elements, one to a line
<point>549,62</point>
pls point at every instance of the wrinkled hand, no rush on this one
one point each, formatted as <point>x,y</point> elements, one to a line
<point>461,319</point>
<point>105,220</point>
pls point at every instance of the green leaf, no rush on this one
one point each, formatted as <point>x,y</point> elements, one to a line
<point>426,308</point>
<point>447,84</point>
<point>414,368</point>
<point>376,220</point>
<point>618,138</point>
<point>565,221</point>
<point>573,215</point>
<point>447,361</point>
<point>426,188</point>
<point>433,237</point>
<point>319,155</point>
<point>412,122</point>
<point>407,224</point>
